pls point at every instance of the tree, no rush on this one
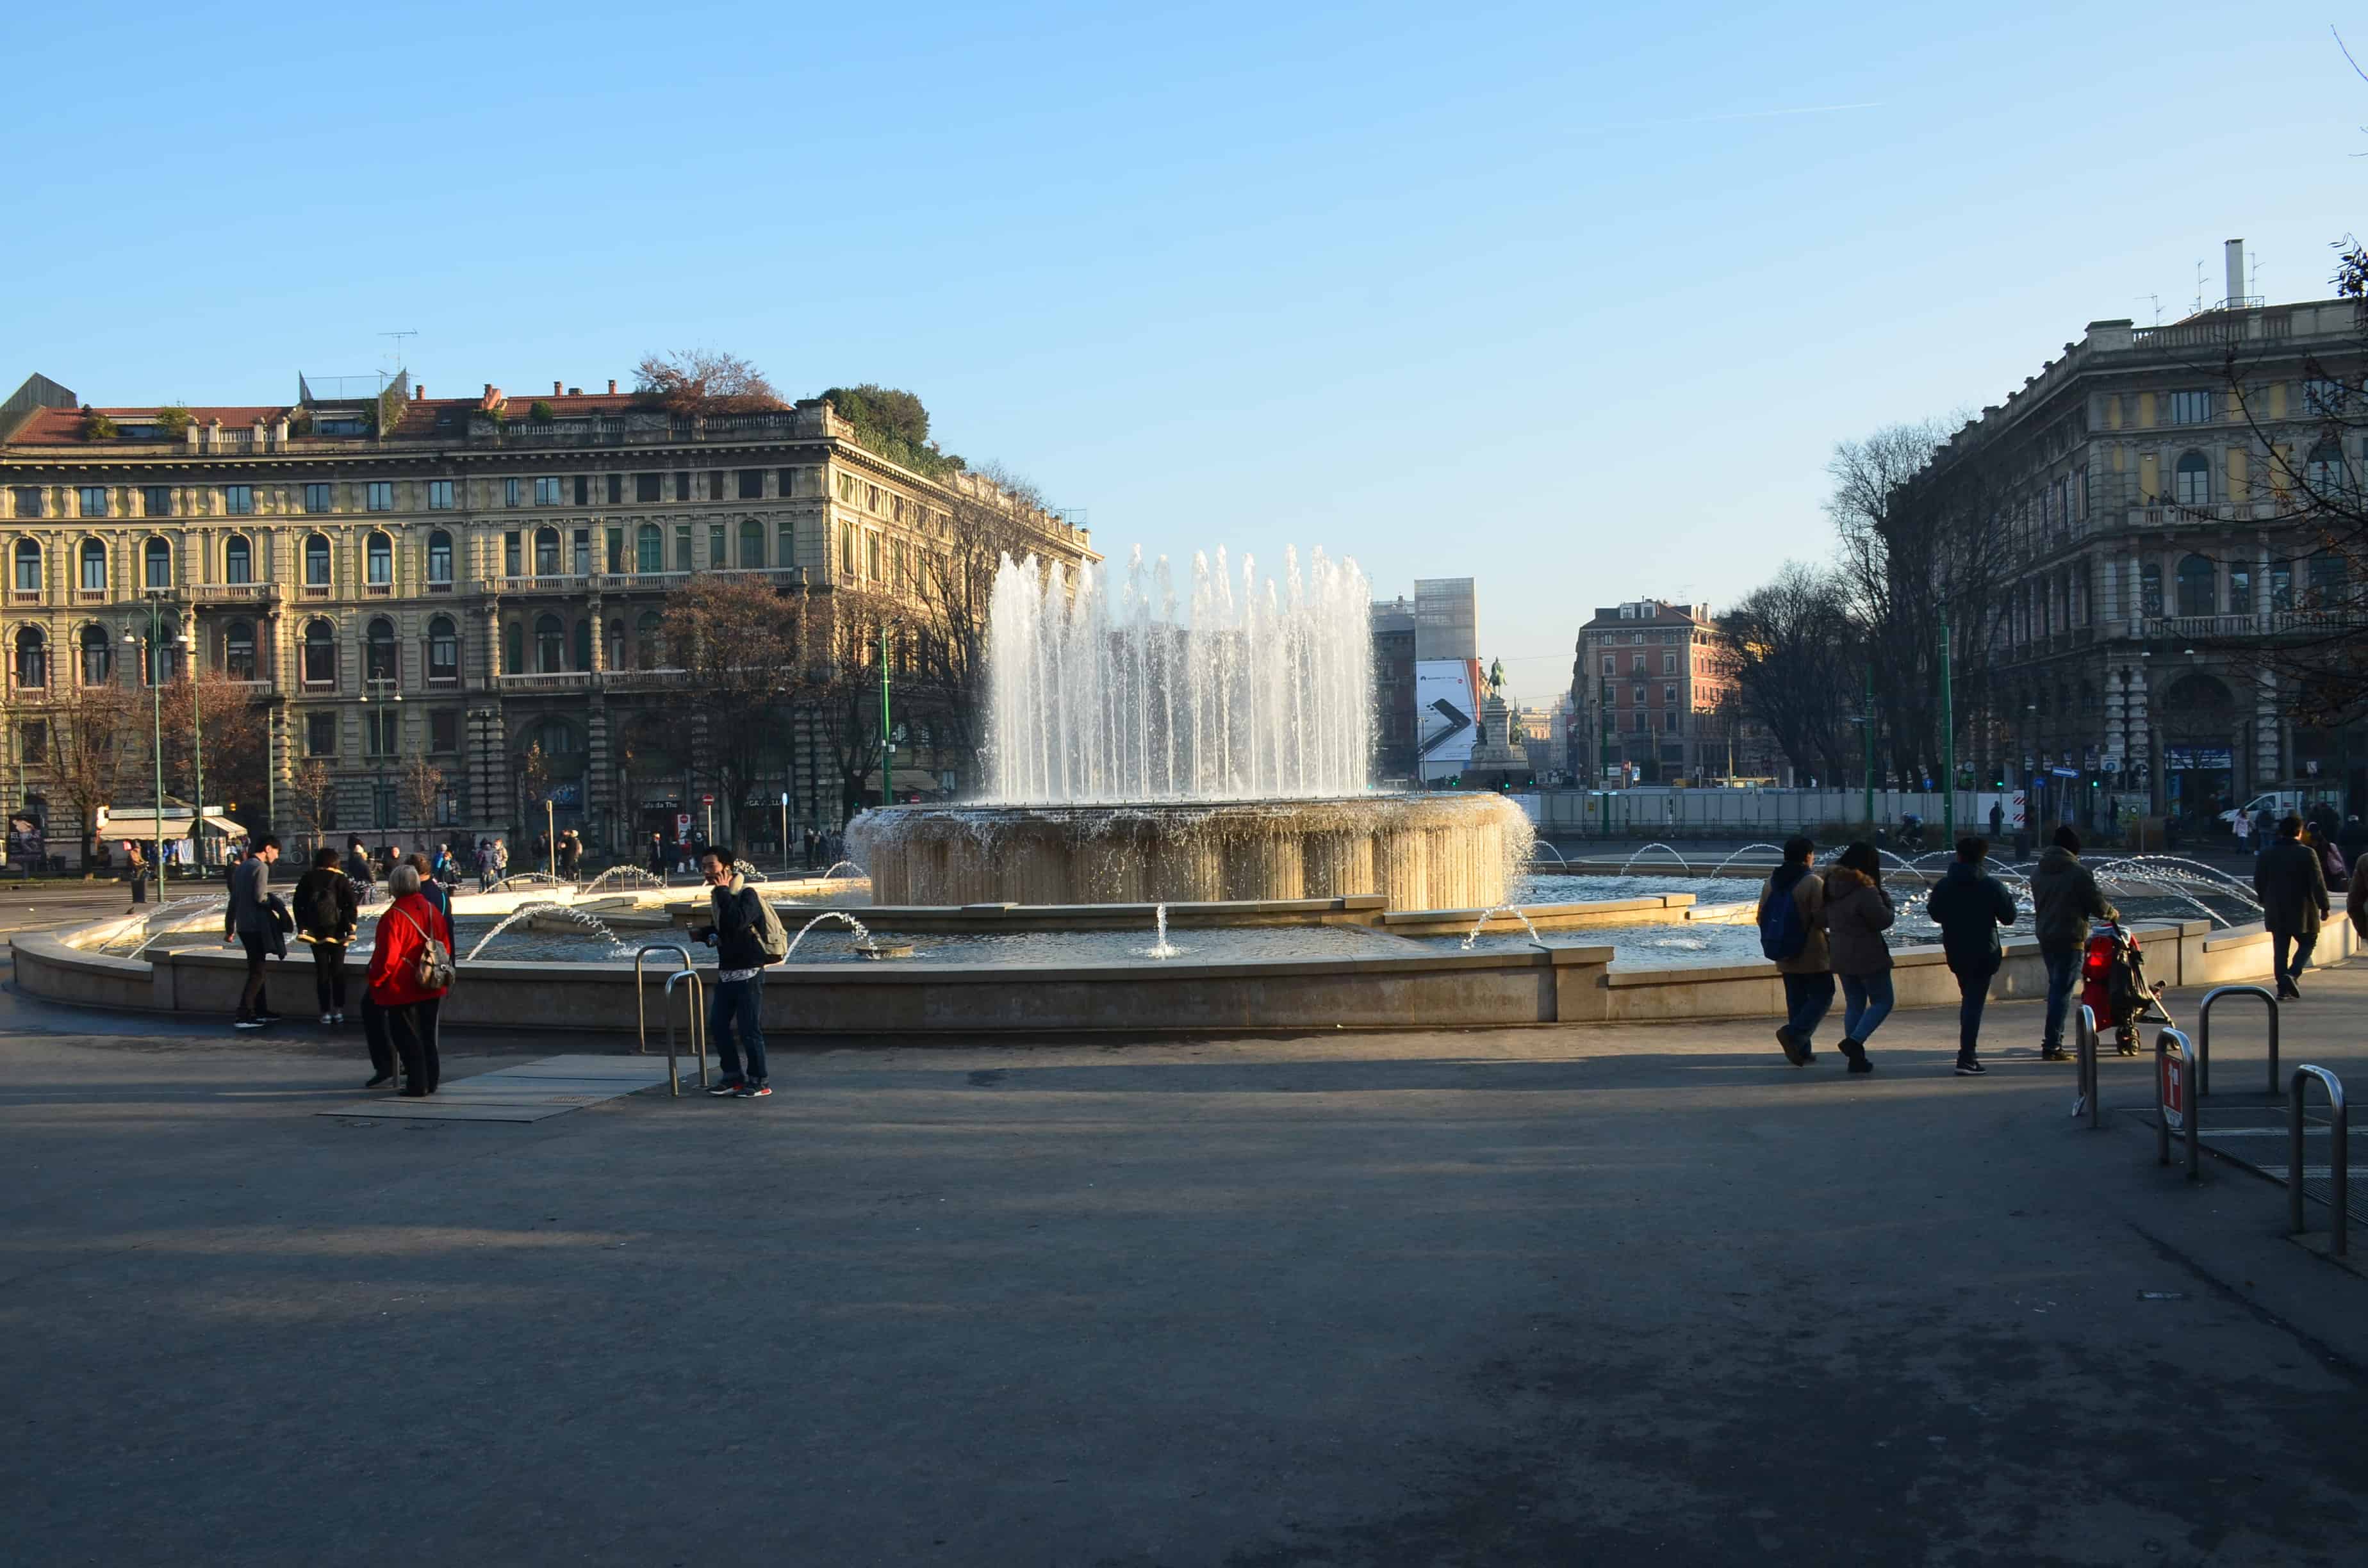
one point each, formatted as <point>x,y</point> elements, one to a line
<point>987,521</point>
<point>697,382</point>
<point>174,420</point>
<point>93,755</point>
<point>420,786</point>
<point>212,719</point>
<point>313,789</point>
<point>847,698</point>
<point>1793,649</point>
<point>893,423</point>
<point>749,651</point>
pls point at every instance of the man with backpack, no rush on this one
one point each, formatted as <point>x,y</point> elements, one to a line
<point>747,935</point>
<point>1969,905</point>
<point>1793,934</point>
<point>2063,898</point>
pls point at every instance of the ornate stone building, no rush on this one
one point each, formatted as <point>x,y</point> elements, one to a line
<point>500,565</point>
<point>1649,697</point>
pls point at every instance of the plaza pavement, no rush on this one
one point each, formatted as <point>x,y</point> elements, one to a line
<point>1545,1296</point>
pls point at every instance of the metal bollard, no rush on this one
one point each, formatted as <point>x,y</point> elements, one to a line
<point>2338,1163</point>
<point>2183,1105</point>
<point>698,1029</point>
<point>2204,1033</point>
<point>2084,1038</point>
<point>641,1013</point>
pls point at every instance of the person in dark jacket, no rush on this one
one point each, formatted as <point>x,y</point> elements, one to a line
<point>1969,905</point>
<point>253,923</point>
<point>2291,886</point>
<point>2063,898</point>
<point>1857,911</point>
<point>735,1017</point>
<point>326,914</point>
<point>1808,973</point>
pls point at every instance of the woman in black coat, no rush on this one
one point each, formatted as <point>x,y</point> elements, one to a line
<point>326,914</point>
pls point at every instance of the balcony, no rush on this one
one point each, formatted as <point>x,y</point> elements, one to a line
<point>643,680</point>
<point>556,680</point>
<point>233,593</point>
<point>2204,627</point>
<point>627,582</point>
<point>545,583</point>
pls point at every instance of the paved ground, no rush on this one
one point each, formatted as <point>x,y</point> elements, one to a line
<point>1522,1297</point>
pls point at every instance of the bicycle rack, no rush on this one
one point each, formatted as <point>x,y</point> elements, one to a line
<point>698,1029</point>
<point>2338,1163</point>
<point>2204,1033</point>
<point>2086,1099</point>
<point>2187,1109</point>
<point>641,1013</point>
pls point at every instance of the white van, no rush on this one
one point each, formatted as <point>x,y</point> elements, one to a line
<point>2277,803</point>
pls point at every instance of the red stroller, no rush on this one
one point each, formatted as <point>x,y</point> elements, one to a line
<point>2113,986</point>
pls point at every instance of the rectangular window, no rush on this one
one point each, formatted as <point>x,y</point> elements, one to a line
<point>788,479</point>
<point>33,739</point>
<point>512,564</point>
<point>238,500</point>
<point>616,550</point>
<point>320,734</point>
<point>93,500</point>
<point>28,571</point>
<point>583,543</point>
<point>583,490</point>
<point>872,557</point>
<point>682,484</point>
<point>645,486</point>
<point>616,490</point>
<point>378,496</point>
<point>444,730</point>
<point>319,498</point>
<point>1611,694</point>
<point>157,500</point>
<point>682,546</point>
<point>439,495</point>
<point>1638,697</point>
<point>846,551</point>
<point>1610,663</point>
<point>752,484</point>
<point>547,493</point>
<point>781,537</point>
<point>716,560</point>
<point>1636,663</point>
<point>1668,664</point>
<point>1670,696</point>
<point>382,729</point>
<point>1669,721</point>
<point>2191,407</point>
<point>28,501</point>
<point>439,557</point>
<point>513,493</point>
<point>715,486</point>
<point>2325,399</point>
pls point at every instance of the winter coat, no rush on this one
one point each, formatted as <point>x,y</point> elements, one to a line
<point>250,897</point>
<point>1857,911</point>
<point>2355,904</point>
<point>737,924</point>
<point>2291,887</point>
<point>394,965</point>
<point>1969,906</point>
<point>327,910</point>
<point>2064,899</point>
<point>1807,892</point>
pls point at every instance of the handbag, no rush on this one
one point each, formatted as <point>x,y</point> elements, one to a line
<point>434,969</point>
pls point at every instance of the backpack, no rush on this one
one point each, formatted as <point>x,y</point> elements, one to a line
<point>1782,932</point>
<point>434,967</point>
<point>770,939</point>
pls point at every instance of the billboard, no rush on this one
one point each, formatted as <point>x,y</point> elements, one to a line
<point>1447,715</point>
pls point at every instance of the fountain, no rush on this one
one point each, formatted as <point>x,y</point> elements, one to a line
<point>1161,948</point>
<point>646,878</point>
<point>1649,848</point>
<point>1488,914</point>
<point>1138,758</point>
<point>592,922</point>
<point>862,936</point>
<point>832,873</point>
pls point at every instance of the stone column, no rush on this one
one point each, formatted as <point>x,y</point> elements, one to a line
<point>2266,729</point>
<point>599,785</point>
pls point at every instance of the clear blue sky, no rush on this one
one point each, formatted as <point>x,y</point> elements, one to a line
<point>1575,300</point>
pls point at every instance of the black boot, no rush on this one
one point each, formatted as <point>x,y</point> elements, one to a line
<point>1856,1052</point>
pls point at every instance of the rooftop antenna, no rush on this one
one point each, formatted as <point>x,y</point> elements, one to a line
<point>2199,288</point>
<point>2253,284</point>
<point>395,351</point>
<point>2158,306</point>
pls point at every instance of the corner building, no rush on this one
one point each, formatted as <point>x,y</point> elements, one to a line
<point>500,564</point>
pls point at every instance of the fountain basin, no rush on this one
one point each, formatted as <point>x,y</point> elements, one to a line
<point>1446,851</point>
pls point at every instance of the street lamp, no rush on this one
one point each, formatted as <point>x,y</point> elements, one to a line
<point>385,685</point>
<point>156,719</point>
<point>197,749</point>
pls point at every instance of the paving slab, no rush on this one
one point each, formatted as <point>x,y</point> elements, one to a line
<point>531,1091</point>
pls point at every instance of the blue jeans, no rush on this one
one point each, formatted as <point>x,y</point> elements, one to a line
<point>1806,999</point>
<point>736,1023</point>
<point>1866,1001</point>
<point>2063,970</point>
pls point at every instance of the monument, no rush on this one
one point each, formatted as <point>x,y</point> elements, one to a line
<point>1498,758</point>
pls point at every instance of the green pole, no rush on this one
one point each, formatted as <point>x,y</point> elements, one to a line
<point>1948,740</point>
<point>887,747</point>
<point>1868,811</point>
<point>198,755</point>
<point>156,743</point>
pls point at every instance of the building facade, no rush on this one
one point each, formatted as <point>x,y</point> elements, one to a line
<point>1394,686</point>
<point>1650,696</point>
<point>480,582</point>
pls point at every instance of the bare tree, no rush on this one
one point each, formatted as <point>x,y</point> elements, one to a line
<point>848,695</point>
<point>93,754</point>
<point>313,789</point>
<point>207,718</point>
<point>983,524</point>
<point>701,381</point>
<point>1793,648</point>
<point>750,653</point>
<point>421,787</point>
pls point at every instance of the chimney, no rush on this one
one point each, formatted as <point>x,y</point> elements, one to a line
<point>555,388</point>
<point>489,392</point>
<point>612,386</point>
<point>2235,250</point>
<point>576,391</point>
<point>418,391</point>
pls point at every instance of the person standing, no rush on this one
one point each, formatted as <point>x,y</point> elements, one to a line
<point>2265,832</point>
<point>326,915</point>
<point>2292,885</point>
<point>1792,917</point>
<point>501,859</point>
<point>255,926</point>
<point>1998,818</point>
<point>1857,911</point>
<point>408,1004</point>
<point>747,935</point>
<point>657,856</point>
<point>139,864</point>
<point>2242,831</point>
<point>1969,905</point>
<point>2063,898</point>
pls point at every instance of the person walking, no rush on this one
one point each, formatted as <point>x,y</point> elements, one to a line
<point>408,1003</point>
<point>1792,917</point>
<point>2063,898</point>
<point>657,856</point>
<point>326,915</point>
<point>2265,831</point>
<point>1969,905</point>
<point>1998,818</point>
<point>2241,830</point>
<point>255,926</point>
<point>1857,911</point>
<point>2291,882</point>
<point>501,860</point>
<point>747,935</point>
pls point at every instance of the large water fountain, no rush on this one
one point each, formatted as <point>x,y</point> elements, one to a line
<point>1137,756</point>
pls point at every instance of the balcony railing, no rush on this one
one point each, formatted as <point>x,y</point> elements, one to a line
<point>556,680</point>
<point>543,583</point>
<point>234,593</point>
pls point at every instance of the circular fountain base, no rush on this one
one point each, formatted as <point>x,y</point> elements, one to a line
<point>1449,851</point>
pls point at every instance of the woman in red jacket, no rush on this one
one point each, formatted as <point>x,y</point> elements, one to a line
<point>408,1007</point>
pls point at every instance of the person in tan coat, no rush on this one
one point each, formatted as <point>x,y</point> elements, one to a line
<point>1857,911</point>
<point>1793,932</point>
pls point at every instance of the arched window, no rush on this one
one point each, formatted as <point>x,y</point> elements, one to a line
<point>2199,586</point>
<point>752,542</point>
<point>514,648</point>
<point>557,737</point>
<point>443,650</point>
<point>97,655</point>
<point>319,653</point>
<point>649,548</point>
<point>649,634</point>
<point>157,557</point>
<point>28,566</point>
<point>379,662</point>
<point>238,650</point>
<point>550,645</point>
<point>378,561</point>
<point>32,658</point>
<point>439,557</point>
<point>316,561</point>
<point>2192,481</point>
<point>238,560</point>
<point>94,566</point>
<point>617,644</point>
<point>2324,471</point>
<point>546,552</point>
<point>584,645</point>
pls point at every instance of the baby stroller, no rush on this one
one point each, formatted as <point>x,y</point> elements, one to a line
<point>2113,986</point>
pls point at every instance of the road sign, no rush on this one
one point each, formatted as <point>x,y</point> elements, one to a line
<point>682,827</point>
<point>2173,1094</point>
<point>707,799</point>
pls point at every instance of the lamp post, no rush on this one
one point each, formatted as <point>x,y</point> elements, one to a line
<point>1869,722</point>
<point>387,696</point>
<point>190,651</point>
<point>887,741</point>
<point>1948,740</point>
<point>156,720</point>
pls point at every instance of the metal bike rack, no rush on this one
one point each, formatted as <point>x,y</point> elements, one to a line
<point>2086,1101</point>
<point>2338,1163</point>
<point>2204,1033</point>
<point>641,1014</point>
<point>2190,1109</point>
<point>698,1029</point>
